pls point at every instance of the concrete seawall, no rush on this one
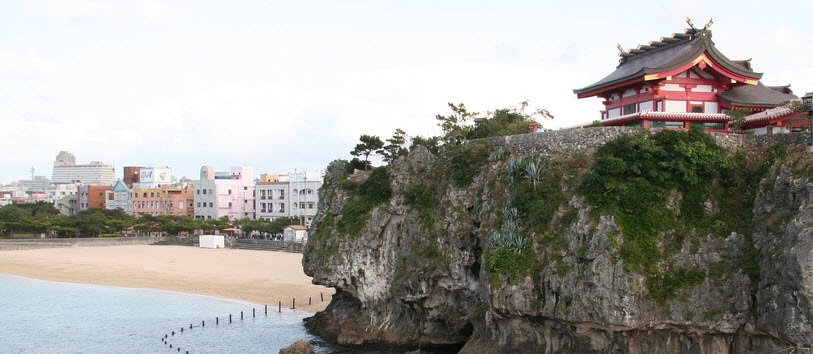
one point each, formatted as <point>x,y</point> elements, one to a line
<point>8,245</point>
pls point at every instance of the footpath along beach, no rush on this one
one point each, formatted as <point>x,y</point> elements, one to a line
<point>260,277</point>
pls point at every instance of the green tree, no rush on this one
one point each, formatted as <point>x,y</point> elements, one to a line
<point>456,126</point>
<point>508,121</point>
<point>395,147</point>
<point>369,144</point>
<point>432,143</point>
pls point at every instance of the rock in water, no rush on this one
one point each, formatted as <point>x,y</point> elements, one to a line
<point>299,347</point>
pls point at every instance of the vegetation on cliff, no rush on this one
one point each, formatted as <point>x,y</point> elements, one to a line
<point>650,226</point>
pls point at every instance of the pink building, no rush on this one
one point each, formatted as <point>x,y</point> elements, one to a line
<point>230,194</point>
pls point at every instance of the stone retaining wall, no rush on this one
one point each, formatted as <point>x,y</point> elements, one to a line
<point>7,245</point>
<point>587,140</point>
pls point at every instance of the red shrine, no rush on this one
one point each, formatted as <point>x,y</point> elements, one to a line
<point>683,80</point>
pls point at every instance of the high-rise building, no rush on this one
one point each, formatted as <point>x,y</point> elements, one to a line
<point>94,173</point>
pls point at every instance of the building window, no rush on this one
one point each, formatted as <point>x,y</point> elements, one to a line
<point>204,191</point>
<point>229,191</point>
<point>245,188</point>
<point>697,109</point>
<point>198,191</point>
<point>659,105</point>
<point>714,126</point>
<point>675,125</point>
<point>630,109</point>
<point>302,205</point>
<point>211,204</point>
<point>657,124</point>
<point>210,191</point>
<point>310,205</point>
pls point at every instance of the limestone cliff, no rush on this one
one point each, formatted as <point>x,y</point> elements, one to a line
<point>495,247</point>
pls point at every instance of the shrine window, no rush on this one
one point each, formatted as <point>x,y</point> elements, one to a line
<point>697,109</point>
<point>714,126</point>
<point>657,124</point>
<point>630,109</point>
<point>675,125</point>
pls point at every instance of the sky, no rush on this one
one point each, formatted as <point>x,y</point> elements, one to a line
<point>287,86</point>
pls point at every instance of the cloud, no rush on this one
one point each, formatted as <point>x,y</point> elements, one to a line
<point>25,64</point>
<point>117,11</point>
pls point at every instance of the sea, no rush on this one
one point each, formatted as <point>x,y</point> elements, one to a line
<point>39,316</point>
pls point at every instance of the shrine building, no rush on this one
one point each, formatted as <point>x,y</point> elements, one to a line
<point>684,80</point>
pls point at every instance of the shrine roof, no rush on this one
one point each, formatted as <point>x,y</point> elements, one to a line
<point>668,116</point>
<point>665,55</point>
<point>758,95</point>
<point>778,113</point>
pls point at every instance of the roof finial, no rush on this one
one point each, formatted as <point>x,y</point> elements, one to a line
<point>621,50</point>
<point>711,22</point>
<point>689,21</point>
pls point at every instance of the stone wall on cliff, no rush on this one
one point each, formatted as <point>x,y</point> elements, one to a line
<point>420,270</point>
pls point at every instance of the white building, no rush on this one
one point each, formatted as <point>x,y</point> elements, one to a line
<point>272,200</point>
<point>305,196</point>
<point>292,195</point>
<point>118,197</point>
<point>94,173</point>
<point>231,194</point>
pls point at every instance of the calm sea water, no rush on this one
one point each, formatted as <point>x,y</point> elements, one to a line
<point>49,317</point>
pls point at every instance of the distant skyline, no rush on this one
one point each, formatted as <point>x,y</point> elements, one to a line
<point>286,86</point>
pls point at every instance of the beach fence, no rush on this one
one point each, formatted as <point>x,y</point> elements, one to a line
<point>170,339</point>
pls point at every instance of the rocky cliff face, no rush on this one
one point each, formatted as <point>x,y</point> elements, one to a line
<point>442,260</point>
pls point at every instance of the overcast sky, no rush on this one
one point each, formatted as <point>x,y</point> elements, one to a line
<point>285,85</point>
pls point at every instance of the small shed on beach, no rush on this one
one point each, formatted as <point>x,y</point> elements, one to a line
<point>295,233</point>
<point>212,241</point>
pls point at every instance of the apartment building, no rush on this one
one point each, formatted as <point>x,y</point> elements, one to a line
<point>118,197</point>
<point>228,193</point>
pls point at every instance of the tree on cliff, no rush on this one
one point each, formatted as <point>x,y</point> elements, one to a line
<point>508,121</point>
<point>395,148</point>
<point>369,144</point>
<point>457,127</point>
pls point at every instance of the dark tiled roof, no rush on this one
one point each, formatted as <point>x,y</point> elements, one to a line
<point>757,95</point>
<point>668,54</point>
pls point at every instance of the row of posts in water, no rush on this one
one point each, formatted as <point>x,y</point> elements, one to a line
<point>165,338</point>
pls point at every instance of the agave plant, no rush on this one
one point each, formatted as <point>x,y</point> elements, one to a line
<point>511,169</point>
<point>533,171</point>
<point>508,234</point>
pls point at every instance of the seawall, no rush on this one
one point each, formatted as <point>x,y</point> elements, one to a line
<point>8,245</point>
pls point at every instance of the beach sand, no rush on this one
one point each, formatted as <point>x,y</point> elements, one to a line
<point>260,277</point>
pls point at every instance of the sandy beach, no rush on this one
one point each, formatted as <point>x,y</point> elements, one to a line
<point>261,277</point>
